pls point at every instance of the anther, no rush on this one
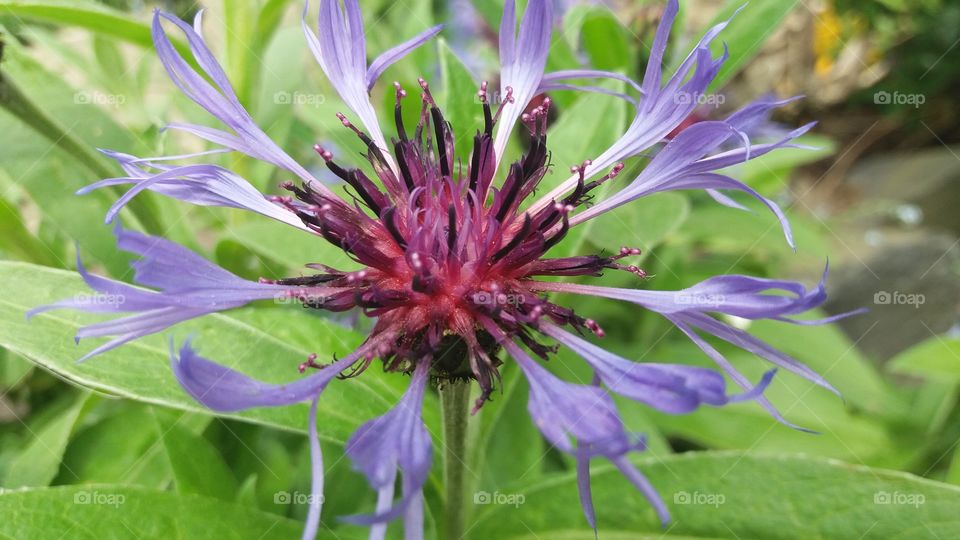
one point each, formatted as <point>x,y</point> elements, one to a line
<point>398,112</point>
<point>594,327</point>
<point>482,92</point>
<point>627,252</point>
<point>310,363</point>
<point>325,154</point>
<point>508,98</point>
<point>427,96</point>
<point>487,114</point>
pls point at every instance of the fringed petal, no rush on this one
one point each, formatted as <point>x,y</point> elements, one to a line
<point>190,287</point>
<point>203,185</point>
<point>523,57</point>
<point>219,99</point>
<point>670,388</point>
<point>396,442</point>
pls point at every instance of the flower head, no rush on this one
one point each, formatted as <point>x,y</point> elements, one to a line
<point>454,253</point>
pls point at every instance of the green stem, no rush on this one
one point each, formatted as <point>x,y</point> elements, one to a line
<point>455,400</point>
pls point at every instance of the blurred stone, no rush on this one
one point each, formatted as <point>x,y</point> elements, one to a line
<point>911,284</point>
<point>928,180</point>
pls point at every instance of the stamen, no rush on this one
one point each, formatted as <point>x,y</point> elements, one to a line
<point>439,127</point>
<point>325,154</point>
<point>614,171</point>
<point>627,252</point>
<point>594,327</point>
<point>451,228</point>
<point>389,222</point>
<point>374,149</point>
<point>515,241</point>
<point>398,111</point>
<point>347,124</point>
<point>310,363</point>
<point>506,99</point>
<point>487,114</point>
<point>564,210</point>
<point>404,167</point>
<point>427,96</point>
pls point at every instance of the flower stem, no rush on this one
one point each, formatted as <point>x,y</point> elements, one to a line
<point>454,401</point>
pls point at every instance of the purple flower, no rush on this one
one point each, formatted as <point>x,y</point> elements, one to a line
<point>453,256</point>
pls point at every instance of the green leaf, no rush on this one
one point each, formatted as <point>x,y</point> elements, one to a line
<point>197,465</point>
<point>14,369</point>
<point>582,132</point>
<point>643,223</point>
<point>746,34</point>
<point>38,462</point>
<point>507,445</point>
<point>461,107</point>
<point>287,249</point>
<point>91,16</point>
<point>98,512</point>
<point>121,446</point>
<point>851,428</point>
<point>731,495</point>
<point>15,239</point>
<point>606,41</point>
<point>141,370</point>
<point>756,232</point>
<point>38,156</point>
<point>937,358</point>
